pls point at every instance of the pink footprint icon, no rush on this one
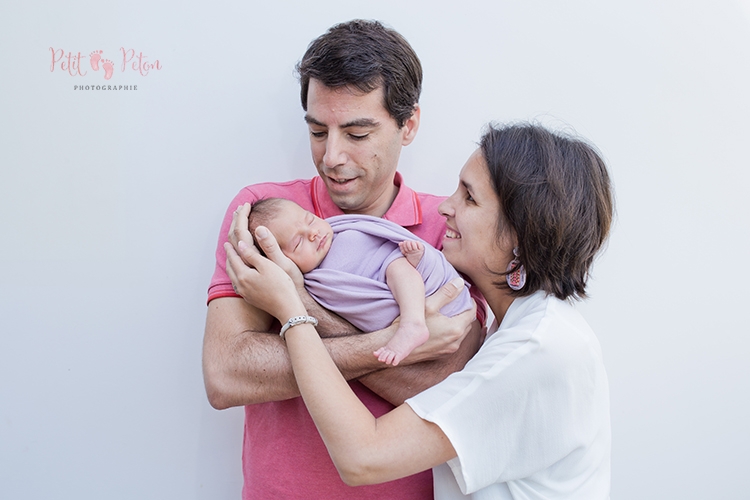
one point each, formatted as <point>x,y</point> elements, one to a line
<point>108,68</point>
<point>95,58</point>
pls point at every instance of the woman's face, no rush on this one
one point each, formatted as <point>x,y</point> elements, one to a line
<point>472,214</point>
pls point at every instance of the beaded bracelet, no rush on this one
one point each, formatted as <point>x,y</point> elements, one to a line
<point>297,320</point>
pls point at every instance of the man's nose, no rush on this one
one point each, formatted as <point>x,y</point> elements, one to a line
<point>335,154</point>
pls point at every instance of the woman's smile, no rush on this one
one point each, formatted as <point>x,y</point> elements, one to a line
<point>470,243</point>
<point>451,234</point>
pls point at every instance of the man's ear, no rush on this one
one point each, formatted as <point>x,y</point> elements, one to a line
<point>411,125</point>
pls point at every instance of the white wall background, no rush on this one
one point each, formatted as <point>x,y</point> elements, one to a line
<point>110,204</point>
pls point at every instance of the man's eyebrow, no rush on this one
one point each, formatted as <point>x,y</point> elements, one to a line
<point>312,121</point>
<point>360,122</point>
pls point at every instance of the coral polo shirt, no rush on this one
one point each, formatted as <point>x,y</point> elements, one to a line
<point>283,455</point>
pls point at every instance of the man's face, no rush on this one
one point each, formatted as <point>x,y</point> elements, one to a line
<point>355,145</point>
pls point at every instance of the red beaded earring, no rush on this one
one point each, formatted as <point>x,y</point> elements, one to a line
<point>516,279</point>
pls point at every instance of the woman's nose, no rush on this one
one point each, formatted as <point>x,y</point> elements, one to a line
<point>445,208</point>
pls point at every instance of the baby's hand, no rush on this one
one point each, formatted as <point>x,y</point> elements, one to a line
<point>413,251</point>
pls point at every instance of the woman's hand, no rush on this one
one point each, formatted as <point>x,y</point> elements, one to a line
<point>238,231</point>
<point>262,282</point>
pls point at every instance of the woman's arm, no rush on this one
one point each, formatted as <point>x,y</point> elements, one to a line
<point>364,449</point>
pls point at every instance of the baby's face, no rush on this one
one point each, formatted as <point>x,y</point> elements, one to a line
<point>302,236</point>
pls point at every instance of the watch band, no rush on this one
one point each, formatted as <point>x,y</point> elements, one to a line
<point>297,320</point>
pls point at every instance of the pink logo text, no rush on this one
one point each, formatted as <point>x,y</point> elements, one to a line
<point>74,63</point>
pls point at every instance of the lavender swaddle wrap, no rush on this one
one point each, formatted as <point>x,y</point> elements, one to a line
<point>351,279</point>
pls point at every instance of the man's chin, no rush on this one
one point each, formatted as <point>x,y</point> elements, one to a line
<point>345,201</point>
<point>347,205</point>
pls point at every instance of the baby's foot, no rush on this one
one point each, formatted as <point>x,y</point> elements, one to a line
<point>406,339</point>
<point>413,251</point>
<point>95,58</point>
<point>109,68</point>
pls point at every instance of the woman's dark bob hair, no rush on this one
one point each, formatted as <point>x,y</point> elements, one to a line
<point>556,198</point>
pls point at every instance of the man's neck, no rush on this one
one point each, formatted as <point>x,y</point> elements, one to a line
<point>381,206</point>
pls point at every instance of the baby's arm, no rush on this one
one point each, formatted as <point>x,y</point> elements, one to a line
<point>407,287</point>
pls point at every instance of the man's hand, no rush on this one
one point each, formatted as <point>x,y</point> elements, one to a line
<point>446,333</point>
<point>453,341</point>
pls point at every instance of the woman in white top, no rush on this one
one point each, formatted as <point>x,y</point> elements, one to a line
<point>528,416</point>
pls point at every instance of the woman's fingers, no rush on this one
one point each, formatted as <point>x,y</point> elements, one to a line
<point>268,244</point>
<point>262,283</point>
<point>271,248</point>
<point>238,230</point>
<point>234,262</point>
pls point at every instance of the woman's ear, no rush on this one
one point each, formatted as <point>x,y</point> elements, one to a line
<point>510,242</point>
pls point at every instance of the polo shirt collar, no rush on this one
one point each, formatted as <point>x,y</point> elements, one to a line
<point>405,211</point>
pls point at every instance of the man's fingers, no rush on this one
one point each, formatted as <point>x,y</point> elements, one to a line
<point>468,316</point>
<point>447,293</point>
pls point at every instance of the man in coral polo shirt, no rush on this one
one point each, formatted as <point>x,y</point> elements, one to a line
<point>360,86</point>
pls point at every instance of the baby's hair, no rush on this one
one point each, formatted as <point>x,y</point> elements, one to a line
<point>262,212</point>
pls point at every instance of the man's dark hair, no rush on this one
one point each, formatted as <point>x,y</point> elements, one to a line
<point>555,195</point>
<point>365,55</point>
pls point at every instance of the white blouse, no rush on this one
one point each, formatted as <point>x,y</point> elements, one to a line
<point>529,415</point>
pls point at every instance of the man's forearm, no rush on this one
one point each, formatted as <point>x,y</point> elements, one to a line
<point>245,365</point>
<point>397,384</point>
<point>242,366</point>
<point>329,323</point>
